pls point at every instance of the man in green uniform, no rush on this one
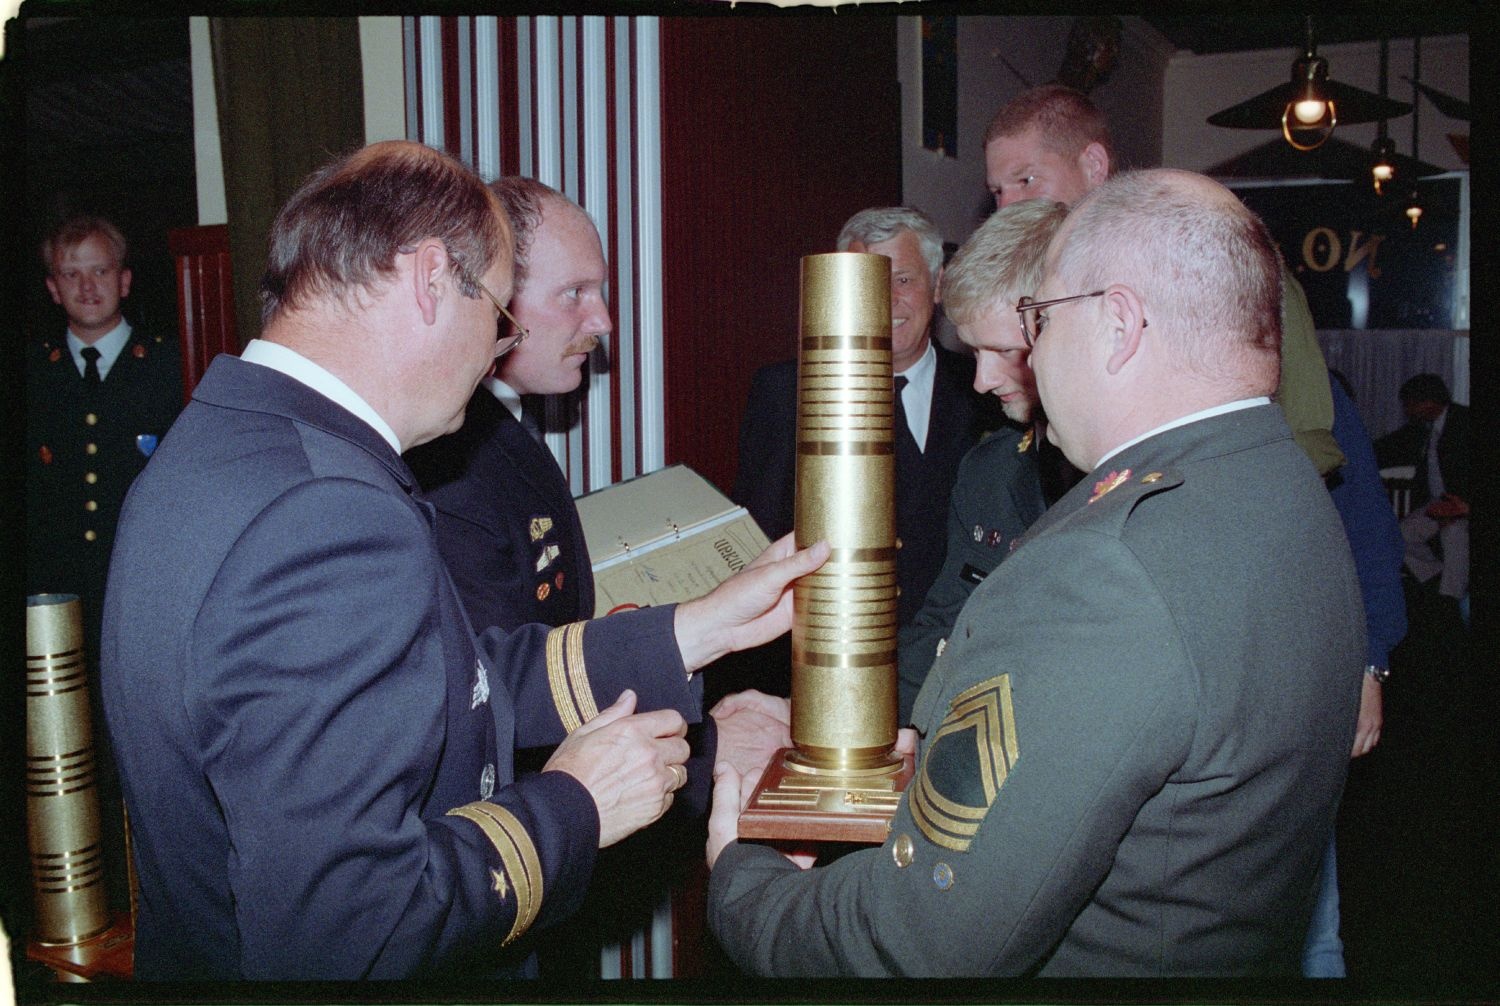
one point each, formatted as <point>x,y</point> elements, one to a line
<point>1003,482</point>
<point>1052,142</point>
<point>1133,746</point>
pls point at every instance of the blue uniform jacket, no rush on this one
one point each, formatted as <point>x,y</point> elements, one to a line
<point>315,752</point>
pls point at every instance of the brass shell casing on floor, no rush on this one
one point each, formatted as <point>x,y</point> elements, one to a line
<point>844,621</point>
<point>62,800</point>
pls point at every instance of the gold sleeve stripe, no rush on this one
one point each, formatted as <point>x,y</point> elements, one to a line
<point>518,854</point>
<point>578,675</point>
<point>557,680</point>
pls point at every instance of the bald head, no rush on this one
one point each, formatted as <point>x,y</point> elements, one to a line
<point>1171,303</point>
<point>1205,266</point>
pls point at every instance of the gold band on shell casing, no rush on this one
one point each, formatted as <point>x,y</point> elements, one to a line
<point>844,620</point>
<point>62,799</point>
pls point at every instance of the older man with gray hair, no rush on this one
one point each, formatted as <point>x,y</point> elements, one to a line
<point>938,416</point>
<point>1134,744</point>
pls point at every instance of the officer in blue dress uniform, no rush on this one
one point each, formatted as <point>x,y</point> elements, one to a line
<point>99,396</point>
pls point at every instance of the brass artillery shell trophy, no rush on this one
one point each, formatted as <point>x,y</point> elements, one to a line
<point>842,780</point>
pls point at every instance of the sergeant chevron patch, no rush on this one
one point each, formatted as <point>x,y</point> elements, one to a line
<point>967,762</point>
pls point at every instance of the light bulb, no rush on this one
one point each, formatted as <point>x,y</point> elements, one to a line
<point>1309,110</point>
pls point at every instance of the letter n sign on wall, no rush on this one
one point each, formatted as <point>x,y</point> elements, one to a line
<point>1359,258</point>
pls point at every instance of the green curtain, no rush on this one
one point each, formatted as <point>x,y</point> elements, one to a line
<point>290,96</point>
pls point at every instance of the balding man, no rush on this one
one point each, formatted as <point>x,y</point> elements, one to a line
<point>1135,739</point>
<point>1052,142</point>
<point>315,749</point>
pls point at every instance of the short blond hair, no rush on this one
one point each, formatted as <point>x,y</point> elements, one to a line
<point>1002,260</point>
<point>77,229</point>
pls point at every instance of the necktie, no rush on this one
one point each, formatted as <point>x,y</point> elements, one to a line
<point>90,366</point>
<point>902,429</point>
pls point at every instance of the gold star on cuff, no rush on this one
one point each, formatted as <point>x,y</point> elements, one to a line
<point>501,885</point>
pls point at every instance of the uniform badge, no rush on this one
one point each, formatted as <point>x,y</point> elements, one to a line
<point>1152,477</point>
<point>487,782</point>
<point>1013,543</point>
<point>499,884</point>
<point>968,761</point>
<point>54,356</point>
<point>941,646</point>
<point>1109,483</point>
<point>146,443</point>
<point>481,692</point>
<point>539,527</point>
<point>542,590</point>
<point>1024,444</point>
<point>45,453</point>
<point>942,876</point>
<point>548,554</point>
<point>903,851</point>
<point>557,581</point>
<point>978,534</point>
<point>994,539</point>
<point>138,351</point>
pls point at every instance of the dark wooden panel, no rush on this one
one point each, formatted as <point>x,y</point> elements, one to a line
<point>775,130</point>
<point>205,298</point>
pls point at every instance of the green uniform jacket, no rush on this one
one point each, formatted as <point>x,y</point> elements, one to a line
<point>1134,742</point>
<point>1304,394</point>
<point>997,496</point>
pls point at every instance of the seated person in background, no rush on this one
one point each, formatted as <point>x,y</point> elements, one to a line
<point>1435,441</point>
<point>1001,487</point>
<point>315,749</point>
<point>1134,744</point>
<point>942,415</point>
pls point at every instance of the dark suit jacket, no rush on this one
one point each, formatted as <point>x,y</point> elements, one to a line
<point>83,449</point>
<point>1407,445</point>
<point>316,753</point>
<point>766,482</point>
<point>506,524</point>
<point>1134,742</point>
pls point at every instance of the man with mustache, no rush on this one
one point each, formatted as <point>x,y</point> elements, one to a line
<point>518,555</point>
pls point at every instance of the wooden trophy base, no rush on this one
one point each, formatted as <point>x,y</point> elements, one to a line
<point>111,954</point>
<point>796,802</point>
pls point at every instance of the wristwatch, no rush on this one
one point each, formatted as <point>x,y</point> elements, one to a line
<point>1380,674</point>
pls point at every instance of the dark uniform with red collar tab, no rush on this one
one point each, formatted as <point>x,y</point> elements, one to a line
<point>84,447</point>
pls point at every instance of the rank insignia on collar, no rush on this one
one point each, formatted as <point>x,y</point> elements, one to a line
<point>138,351</point>
<point>978,534</point>
<point>1153,477</point>
<point>487,782</point>
<point>1109,483</point>
<point>499,884</point>
<point>542,590</point>
<point>1024,444</point>
<point>548,554</point>
<point>539,527</point>
<point>45,453</point>
<point>968,761</point>
<point>557,581</point>
<point>995,538</point>
<point>54,356</point>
